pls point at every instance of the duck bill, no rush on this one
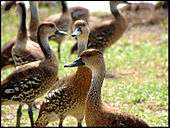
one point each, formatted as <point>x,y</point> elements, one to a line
<point>76,63</point>
<point>59,32</point>
<point>76,33</point>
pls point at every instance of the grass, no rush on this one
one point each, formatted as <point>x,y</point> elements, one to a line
<point>137,70</point>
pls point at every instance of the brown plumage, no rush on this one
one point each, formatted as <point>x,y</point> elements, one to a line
<point>34,21</point>
<point>145,13</point>
<point>23,49</point>
<point>26,41</point>
<point>79,13</point>
<point>62,21</point>
<point>32,80</point>
<point>108,32</point>
<point>69,94</point>
<point>99,114</point>
<point>65,20</point>
<point>6,57</point>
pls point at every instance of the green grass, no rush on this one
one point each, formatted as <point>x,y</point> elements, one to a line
<point>139,69</point>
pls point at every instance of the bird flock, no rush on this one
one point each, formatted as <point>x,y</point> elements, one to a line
<point>36,67</point>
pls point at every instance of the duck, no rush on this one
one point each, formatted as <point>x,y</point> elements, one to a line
<point>145,13</point>
<point>23,43</point>
<point>65,20</point>
<point>107,32</point>
<point>78,13</point>
<point>30,81</point>
<point>30,36</point>
<point>24,50</point>
<point>98,113</point>
<point>67,97</point>
<point>62,21</point>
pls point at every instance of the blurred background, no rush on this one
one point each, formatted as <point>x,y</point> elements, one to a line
<point>137,64</point>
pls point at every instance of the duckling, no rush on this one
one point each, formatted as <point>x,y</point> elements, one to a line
<point>69,93</point>
<point>32,80</point>
<point>6,56</point>
<point>108,32</point>
<point>99,114</point>
<point>62,21</point>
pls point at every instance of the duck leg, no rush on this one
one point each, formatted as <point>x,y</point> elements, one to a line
<point>79,124</point>
<point>30,115</point>
<point>80,120</point>
<point>19,114</point>
<point>60,123</point>
<point>61,120</point>
<point>59,46</point>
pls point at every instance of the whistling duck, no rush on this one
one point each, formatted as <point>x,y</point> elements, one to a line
<point>108,32</point>
<point>34,51</point>
<point>69,94</point>
<point>66,19</point>
<point>144,13</point>
<point>99,114</point>
<point>62,21</point>
<point>32,80</point>
<point>24,48</point>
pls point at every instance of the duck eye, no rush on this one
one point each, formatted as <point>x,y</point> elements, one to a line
<point>79,29</point>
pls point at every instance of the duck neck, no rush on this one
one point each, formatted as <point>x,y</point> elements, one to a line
<point>64,6</point>
<point>82,44</point>
<point>22,31</point>
<point>34,21</point>
<point>114,10</point>
<point>43,42</point>
<point>83,71</point>
<point>94,95</point>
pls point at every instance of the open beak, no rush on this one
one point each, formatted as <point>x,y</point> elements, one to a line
<point>76,63</point>
<point>76,33</point>
<point>59,32</point>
